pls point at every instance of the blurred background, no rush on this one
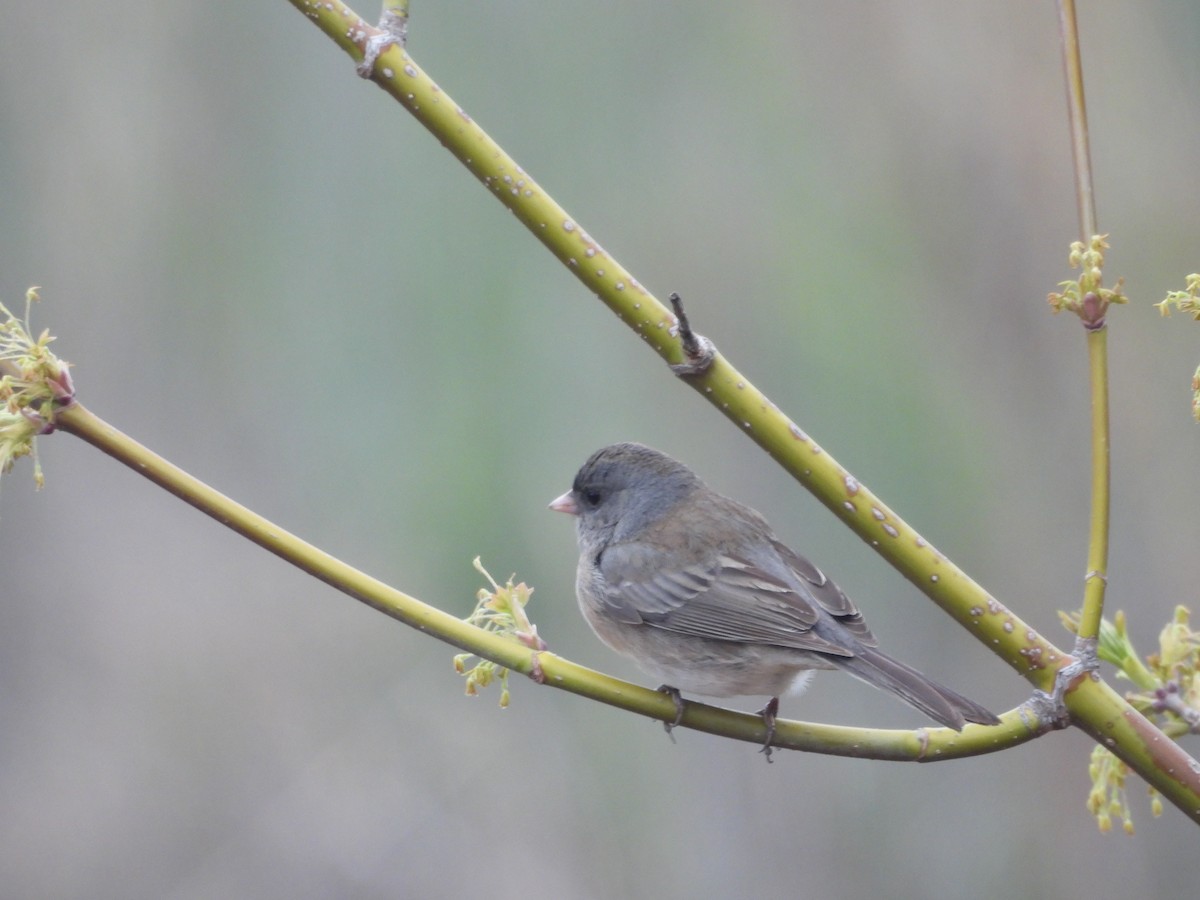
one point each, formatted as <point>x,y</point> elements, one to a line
<point>264,270</point>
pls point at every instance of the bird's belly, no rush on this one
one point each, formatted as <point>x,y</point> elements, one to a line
<point>712,668</point>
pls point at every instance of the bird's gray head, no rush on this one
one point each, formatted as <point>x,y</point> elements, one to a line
<point>622,488</point>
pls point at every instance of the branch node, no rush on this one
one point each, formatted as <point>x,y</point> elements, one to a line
<point>698,351</point>
<point>1168,697</point>
<point>535,668</point>
<point>1050,708</point>
<point>923,740</point>
<point>392,31</point>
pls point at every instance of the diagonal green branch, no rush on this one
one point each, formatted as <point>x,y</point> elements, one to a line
<point>720,383</point>
<point>1036,658</point>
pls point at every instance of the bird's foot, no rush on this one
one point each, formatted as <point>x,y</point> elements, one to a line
<point>768,714</point>
<point>673,693</point>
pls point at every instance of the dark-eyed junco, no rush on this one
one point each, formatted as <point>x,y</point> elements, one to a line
<point>698,591</point>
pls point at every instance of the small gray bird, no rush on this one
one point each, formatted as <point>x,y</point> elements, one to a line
<point>698,591</point>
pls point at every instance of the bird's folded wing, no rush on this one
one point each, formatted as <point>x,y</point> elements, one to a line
<point>731,599</point>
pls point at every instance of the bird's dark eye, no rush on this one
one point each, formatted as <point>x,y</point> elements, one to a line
<point>591,497</point>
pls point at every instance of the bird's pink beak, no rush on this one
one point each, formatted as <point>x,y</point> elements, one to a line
<point>565,504</point>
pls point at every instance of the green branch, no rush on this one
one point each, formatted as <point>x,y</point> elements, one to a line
<point>1092,311</point>
<point>1036,658</point>
<point>927,745</point>
<point>1092,704</point>
<point>1081,153</point>
<point>719,382</point>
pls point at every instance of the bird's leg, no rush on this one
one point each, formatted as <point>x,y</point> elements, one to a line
<point>673,693</point>
<point>768,714</point>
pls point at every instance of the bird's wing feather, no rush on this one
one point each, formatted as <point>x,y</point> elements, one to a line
<point>732,599</point>
<point>831,597</point>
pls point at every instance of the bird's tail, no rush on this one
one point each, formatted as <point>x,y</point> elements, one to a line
<point>939,703</point>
